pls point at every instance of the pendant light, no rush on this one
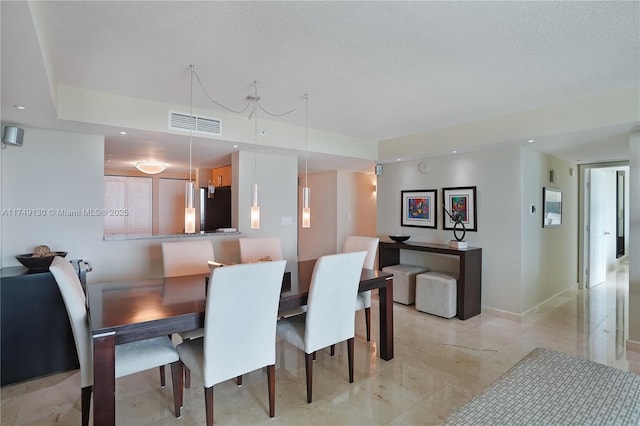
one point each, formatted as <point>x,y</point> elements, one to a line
<point>255,208</point>
<point>306,191</point>
<point>190,193</point>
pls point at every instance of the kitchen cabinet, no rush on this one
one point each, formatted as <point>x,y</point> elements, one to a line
<point>35,333</point>
<point>221,176</point>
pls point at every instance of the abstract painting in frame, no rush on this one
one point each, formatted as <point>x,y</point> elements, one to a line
<point>419,208</point>
<point>460,201</point>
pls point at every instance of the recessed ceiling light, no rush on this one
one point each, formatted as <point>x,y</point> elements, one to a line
<point>454,152</point>
<point>235,146</point>
<point>20,107</point>
<point>123,133</point>
<point>398,159</point>
<point>531,140</point>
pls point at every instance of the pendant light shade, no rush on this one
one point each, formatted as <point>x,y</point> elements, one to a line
<point>189,209</point>
<point>306,210</point>
<point>255,208</point>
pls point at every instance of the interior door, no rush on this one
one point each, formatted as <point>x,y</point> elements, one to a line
<point>597,243</point>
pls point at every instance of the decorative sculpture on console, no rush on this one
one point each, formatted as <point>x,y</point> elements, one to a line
<point>457,218</point>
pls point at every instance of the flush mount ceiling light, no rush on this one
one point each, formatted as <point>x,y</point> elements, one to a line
<point>150,167</point>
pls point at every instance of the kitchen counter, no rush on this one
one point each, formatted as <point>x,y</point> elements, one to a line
<point>168,236</point>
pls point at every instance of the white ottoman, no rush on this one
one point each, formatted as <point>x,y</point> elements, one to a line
<point>404,282</point>
<point>436,294</point>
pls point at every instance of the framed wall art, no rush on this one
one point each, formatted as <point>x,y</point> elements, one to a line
<point>460,202</point>
<point>552,207</point>
<point>419,208</point>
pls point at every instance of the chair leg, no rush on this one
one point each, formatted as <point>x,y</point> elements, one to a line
<point>208,405</point>
<point>308,362</point>
<point>350,356</point>
<point>239,380</point>
<point>176,380</point>
<point>333,350</point>
<point>187,372</point>
<point>271,378</point>
<point>86,404</point>
<point>367,320</point>
<point>187,377</point>
<point>163,383</point>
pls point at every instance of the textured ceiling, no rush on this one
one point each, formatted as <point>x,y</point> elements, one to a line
<point>374,70</point>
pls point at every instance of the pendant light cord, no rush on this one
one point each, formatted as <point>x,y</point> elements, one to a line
<point>306,139</point>
<point>191,121</point>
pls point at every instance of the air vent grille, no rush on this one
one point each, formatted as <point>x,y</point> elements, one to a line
<point>182,121</point>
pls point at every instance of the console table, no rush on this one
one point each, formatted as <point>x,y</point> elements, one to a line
<point>469,286</point>
<point>35,334</point>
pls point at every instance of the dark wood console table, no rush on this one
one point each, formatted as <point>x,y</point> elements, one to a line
<point>469,287</point>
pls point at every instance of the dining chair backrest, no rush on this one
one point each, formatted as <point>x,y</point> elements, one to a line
<point>357,243</point>
<point>240,319</point>
<point>75,303</point>
<point>186,257</point>
<point>332,296</point>
<point>252,249</point>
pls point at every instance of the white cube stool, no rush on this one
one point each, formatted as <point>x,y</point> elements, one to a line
<point>436,294</point>
<point>404,282</point>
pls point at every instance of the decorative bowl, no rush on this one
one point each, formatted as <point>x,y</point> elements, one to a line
<point>399,238</point>
<point>40,263</point>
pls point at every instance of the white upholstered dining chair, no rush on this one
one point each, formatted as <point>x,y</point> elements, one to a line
<point>237,341</point>
<point>252,249</point>
<point>188,257</point>
<point>370,245</point>
<point>330,316</point>
<point>130,358</point>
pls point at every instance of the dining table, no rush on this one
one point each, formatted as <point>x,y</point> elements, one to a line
<point>128,311</point>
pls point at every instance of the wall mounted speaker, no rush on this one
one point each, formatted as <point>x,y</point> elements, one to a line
<point>12,135</point>
<point>378,169</point>
<point>552,176</point>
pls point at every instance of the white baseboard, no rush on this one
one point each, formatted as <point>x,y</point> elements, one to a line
<point>633,346</point>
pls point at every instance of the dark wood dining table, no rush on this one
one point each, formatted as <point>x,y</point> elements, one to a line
<point>121,312</point>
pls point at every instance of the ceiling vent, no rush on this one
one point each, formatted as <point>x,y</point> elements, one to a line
<point>181,121</point>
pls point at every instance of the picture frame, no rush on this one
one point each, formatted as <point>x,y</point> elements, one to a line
<point>552,207</point>
<point>419,208</point>
<point>460,200</point>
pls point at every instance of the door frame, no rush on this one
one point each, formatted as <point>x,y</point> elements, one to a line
<point>584,214</point>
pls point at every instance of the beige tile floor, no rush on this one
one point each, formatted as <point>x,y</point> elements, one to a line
<point>439,364</point>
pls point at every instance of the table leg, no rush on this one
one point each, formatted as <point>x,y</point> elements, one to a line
<point>104,379</point>
<point>386,320</point>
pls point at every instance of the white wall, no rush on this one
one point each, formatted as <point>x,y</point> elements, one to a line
<point>516,250</point>
<point>342,204</point>
<point>548,255</point>
<point>277,178</point>
<point>321,237</point>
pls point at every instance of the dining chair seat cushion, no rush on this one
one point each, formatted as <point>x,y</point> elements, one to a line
<point>143,355</point>
<point>363,300</point>
<point>291,329</point>
<point>191,354</point>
